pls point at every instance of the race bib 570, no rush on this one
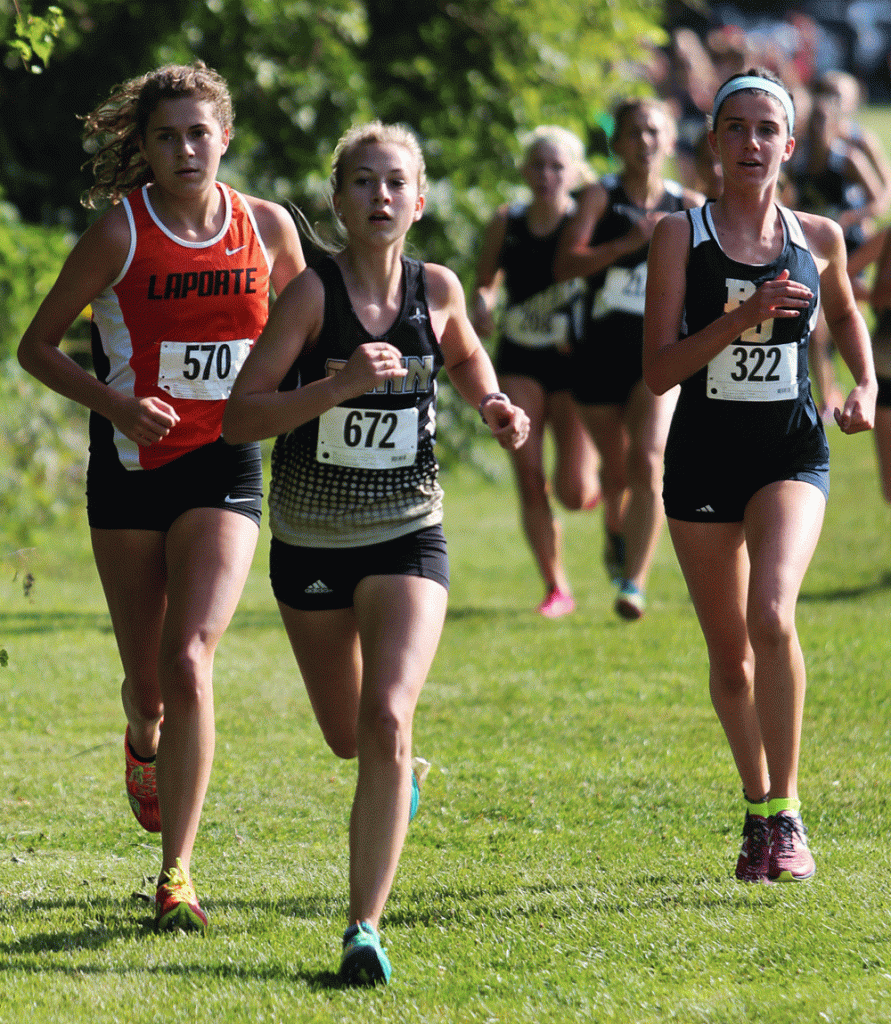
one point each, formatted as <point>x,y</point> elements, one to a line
<point>202,371</point>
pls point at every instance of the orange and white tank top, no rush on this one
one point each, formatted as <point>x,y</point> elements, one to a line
<point>180,320</point>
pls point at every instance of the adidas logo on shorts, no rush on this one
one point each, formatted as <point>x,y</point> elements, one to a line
<point>705,508</point>
<point>318,588</point>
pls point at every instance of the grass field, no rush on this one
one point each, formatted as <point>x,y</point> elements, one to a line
<point>573,856</point>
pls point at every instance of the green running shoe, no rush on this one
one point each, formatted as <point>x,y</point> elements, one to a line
<point>364,961</point>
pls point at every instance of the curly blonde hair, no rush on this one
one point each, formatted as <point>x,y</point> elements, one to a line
<point>115,129</point>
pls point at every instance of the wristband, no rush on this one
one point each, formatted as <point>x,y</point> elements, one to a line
<point>488,398</point>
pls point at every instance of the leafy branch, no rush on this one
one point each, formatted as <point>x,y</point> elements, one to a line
<point>36,36</point>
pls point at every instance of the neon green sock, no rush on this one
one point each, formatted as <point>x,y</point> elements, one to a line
<point>784,803</point>
<point>758,807</point>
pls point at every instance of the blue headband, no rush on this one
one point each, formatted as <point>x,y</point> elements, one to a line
<point>753,82</point>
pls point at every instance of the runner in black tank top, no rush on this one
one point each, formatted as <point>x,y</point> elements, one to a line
<point>533,354</point>
<point>881,347</point>
<point>731,294</point>
<point>368,330</point>
<point>829,177</point>
<point>607,243</point>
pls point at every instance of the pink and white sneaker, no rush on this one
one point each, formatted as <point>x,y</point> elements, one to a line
<point>754,857</point>
<point>790,858</point>
<point>557,604</point>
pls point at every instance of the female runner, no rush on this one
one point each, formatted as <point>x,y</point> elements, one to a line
<point>606,241</point>
<point>532,359</point>
<point>344,376</point>
<point>732,294</point>
<point>881,347</point>
<point>178,273</point>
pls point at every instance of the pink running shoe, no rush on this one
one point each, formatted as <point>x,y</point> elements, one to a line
<point>790,857</point>
<point>557,604</point>
<point>141,789</point>
<point>754,857</point>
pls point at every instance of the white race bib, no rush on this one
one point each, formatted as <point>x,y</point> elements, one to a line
<point>368,438</point>
<point>523,326</point>
<point>624,291</point>
<point>754,373</point>
<point>201,371</point>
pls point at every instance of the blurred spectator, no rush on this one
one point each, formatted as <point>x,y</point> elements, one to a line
<point>690,90</point>
<point>830,177</point>
<point>850,97</point>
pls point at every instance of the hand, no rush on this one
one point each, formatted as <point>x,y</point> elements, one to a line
<point>482,319</point>
<point>509,423</point>
<point>859,411</point>
<point>146,420</point>
<point>644,226</point>
<point>371,365</point>
<point>833,401</point>
<point>779,298</point>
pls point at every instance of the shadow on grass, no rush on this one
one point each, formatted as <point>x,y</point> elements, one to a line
<point>103,924</point>
<point>34,623</point>
<point>467,613</point>
<point>54,621</point>
<point>116,923</point>
<point>848,593</point>
<point>460,907</point>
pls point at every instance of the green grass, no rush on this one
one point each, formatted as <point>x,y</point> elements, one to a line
<point>573,856</point>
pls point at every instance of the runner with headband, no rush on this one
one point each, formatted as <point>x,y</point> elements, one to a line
<point>732,294</point>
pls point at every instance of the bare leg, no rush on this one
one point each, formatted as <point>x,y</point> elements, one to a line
<point>782,526</point>
<point>648,419</point>
<point>577,468</point>
<point>606,427</point>
<point>715,565</point>
<point>209,553</point>
<point>882,436</point>
<point>191,580</point>
<point>364,669</point>
<point>133,572</point>
<point>542,529</point>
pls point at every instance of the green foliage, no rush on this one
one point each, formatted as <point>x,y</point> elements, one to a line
<point>35,35</point>
<point>30,259</point>
<point>43,438</point>
<point>470,77</point>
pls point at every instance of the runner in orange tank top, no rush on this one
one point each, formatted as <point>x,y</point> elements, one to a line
<point>178,273</point>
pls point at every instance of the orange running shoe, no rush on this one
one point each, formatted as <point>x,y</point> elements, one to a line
<point>141,789</point>
<point>176,905</point>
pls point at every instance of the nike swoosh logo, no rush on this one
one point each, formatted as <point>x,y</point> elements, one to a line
<point>236,501</point>
<point>232,252</point>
